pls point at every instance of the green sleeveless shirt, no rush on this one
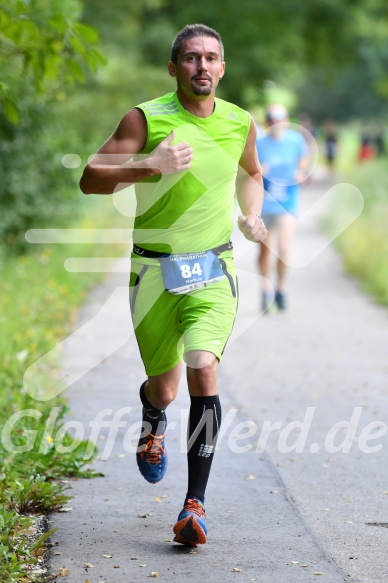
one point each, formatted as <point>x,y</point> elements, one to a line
<point>191,210</point>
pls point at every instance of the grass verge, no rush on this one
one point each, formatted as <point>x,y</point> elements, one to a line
<point>38,305</point>
<point>364,244</point>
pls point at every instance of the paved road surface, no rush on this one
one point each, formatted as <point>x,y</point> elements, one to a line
<point>280,515</point>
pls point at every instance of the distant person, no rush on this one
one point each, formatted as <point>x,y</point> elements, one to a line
<point>367,151</point>
<point>380,143</point>
<point>284,157</point>
<point>331,144</point>
<point>307,123</point>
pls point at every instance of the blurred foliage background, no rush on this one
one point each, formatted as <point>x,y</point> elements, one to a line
<point>72,68</point>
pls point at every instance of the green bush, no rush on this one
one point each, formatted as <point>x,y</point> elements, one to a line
<point>364,244</point>
<point>35,188</point>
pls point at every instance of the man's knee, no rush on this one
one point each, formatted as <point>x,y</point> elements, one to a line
<point>201,373</point>
<point>161,396</point>
<point>264,251</point>
<point>163,389</point>
<point>283,252</point>
<point>201,361</point>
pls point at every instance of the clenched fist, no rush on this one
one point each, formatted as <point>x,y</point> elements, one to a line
<point>252,227</point>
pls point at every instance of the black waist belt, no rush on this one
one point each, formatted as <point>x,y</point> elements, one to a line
<point>156,255</point>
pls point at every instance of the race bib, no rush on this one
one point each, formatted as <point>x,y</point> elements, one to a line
<point>186,272</point>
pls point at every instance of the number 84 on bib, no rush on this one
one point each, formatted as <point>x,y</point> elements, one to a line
<point>186,272</point>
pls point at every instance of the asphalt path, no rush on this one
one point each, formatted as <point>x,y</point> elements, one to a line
<point>295,493</point>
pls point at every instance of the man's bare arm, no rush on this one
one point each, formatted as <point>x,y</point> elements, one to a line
<point>302,172</point>
<point>112,167</point>
<point>250,195</point>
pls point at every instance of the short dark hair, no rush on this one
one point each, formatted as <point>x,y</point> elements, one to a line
<point>191,31</point>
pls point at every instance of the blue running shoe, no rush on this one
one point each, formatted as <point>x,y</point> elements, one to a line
<point>190,528</point>
<point>152,458</point>
<point>280,300</point>
<point>266,301</point>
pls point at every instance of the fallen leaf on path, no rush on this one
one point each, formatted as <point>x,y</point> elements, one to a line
<point>107,556</point>
<point>145,515</point>
<point>319,573</point>
<point>168,540</point>
<point>39,552</point>
<point>142,565</point>
<point>274,491</point>
<point>294,562</point>
<point>250,477</point>
<point>154,574</point>
<point>134,558</point>
<point>66,509</point>
<point>157,500</point>
<point>304,565</point>
<point>349,521</point>
<point>89,565</point>
<point>164,496</point>
<point>116,566</point>
<point>64,572</point>
<point>192,552</point>
<point>237,570</point>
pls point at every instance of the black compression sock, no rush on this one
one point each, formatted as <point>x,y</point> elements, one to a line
<point>155,417</point>
<point>204,424</point>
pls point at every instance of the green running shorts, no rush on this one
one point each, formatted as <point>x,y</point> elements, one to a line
<point>168,326</point>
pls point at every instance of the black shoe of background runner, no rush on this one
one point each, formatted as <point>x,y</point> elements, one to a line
<point>280,300</point>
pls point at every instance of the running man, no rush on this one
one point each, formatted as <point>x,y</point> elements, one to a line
<point>284,156</point>
<point>183,151</point>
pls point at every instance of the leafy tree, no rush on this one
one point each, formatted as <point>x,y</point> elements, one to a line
<point>358,89</point>
<point>263,40</point>
<point>43,49</point>
<point>129,77</point>
<point>280,41</point>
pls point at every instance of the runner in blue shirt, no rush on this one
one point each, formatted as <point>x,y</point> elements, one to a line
<point>283,155</point>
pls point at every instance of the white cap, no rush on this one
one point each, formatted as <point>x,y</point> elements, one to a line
<point>276,112</point>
